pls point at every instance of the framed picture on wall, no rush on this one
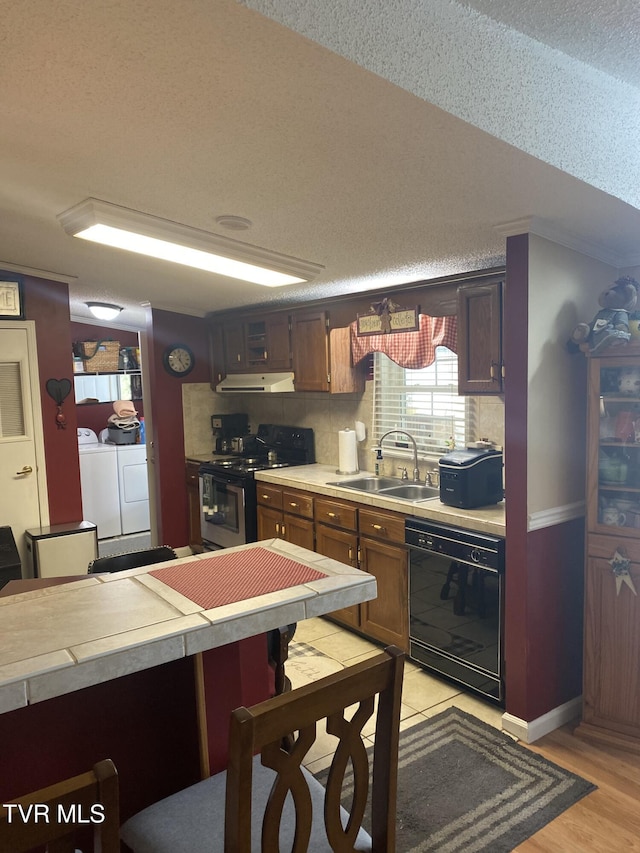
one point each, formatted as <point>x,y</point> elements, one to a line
<point>11,298</point>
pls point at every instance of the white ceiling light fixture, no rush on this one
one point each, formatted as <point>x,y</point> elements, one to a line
<point>138,232</point>
<point>104,310</point>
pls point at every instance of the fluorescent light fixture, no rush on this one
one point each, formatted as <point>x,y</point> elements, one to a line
<point>104,310</point>
<point>138,232</point>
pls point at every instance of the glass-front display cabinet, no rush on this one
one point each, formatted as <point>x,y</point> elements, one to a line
<point>611,675</point>
<point>614,445</point>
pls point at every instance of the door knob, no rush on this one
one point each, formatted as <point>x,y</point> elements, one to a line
<point>26,470</point>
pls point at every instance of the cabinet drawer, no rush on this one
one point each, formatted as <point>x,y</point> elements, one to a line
<point>604,547</point>
<point>297,503</point>
<point>269,495</point>
<point>382,525</point>
<point>338,513</point>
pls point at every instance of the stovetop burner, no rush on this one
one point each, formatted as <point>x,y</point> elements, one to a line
<point>289,445</point>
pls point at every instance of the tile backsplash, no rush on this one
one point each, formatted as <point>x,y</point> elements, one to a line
<point>326,414</point>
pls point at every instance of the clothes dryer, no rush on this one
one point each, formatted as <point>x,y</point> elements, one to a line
<point>133,487</point>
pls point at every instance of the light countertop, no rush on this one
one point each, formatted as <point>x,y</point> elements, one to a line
<point>314,478</point>
<point>64,638</point>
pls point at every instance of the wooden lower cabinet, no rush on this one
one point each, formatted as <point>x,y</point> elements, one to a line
<point>341,545</point>
<point>611,710</point>
<point>193,501</point>
<point>372,540</point>
<point>285,514</point>
<point>386,618</point>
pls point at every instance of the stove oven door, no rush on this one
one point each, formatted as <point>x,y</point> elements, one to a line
<point>222,511</point>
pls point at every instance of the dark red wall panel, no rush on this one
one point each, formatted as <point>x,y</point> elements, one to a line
<point>47,303</point>
<point>165,328</point>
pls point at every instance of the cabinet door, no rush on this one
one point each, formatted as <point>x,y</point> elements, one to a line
<point>298,531</point>
<point>480,368</point>
<point>278,343</point>
<point>234,347</point>
<point>269,522</point>
<point>340,545</point>
<point>216,355</point>
<point>193,500</point>
<point>386,617</point>
<point>613,466</point>
<point>310,346</point>
<point>611,687</point>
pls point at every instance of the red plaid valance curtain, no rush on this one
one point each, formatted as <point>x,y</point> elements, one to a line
<point>409,349</point>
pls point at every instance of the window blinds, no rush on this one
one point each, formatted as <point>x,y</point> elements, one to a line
<point>423,402</point>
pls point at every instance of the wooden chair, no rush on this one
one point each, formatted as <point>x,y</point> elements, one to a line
<point>278,641</point>
<point>54,816</point>
<point>131,560</point>
<point>266,800</point>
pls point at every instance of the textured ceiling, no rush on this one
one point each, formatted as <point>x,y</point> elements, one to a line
<point>356,142</point>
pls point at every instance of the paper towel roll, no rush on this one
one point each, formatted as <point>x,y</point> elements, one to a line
<point>347,452</point>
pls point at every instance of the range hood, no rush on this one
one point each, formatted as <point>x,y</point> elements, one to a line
<point>256,383</point>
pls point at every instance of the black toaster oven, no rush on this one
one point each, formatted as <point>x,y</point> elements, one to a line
<point>471,477</point>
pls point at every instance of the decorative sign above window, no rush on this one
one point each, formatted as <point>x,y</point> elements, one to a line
<point>385,316</point>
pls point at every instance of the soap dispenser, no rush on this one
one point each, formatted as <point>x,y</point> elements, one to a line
<point>378,452</point>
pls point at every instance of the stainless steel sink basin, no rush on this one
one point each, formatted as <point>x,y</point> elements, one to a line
<point>367,484</point>
<point>411,492</point>
<point>390,487</point>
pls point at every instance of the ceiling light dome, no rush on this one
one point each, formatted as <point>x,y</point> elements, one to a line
<point>104,310</point>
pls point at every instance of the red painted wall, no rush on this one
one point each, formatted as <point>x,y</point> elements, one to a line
<point>165,328</point>
<point>47,303</point>
<point>544,568</point>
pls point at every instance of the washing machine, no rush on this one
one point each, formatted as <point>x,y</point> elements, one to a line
<point>99,482</point>
<point>133,487</point>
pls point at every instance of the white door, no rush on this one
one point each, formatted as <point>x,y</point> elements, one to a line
<point>23,492</point>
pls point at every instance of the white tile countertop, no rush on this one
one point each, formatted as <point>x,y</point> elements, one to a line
<point>314,478</point>
<point>63,638</point>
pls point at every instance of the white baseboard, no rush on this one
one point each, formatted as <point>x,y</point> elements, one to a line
<point>535,729</point>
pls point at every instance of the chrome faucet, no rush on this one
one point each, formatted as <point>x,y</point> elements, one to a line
<point>416,472</point>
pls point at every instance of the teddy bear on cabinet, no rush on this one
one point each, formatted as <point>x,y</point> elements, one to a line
<point>610,326</point>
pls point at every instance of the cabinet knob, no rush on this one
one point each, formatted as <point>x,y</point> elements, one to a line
<point>331,514</point>
<point>378,527</point>
<point>265,497</point>
<point>292,503</point>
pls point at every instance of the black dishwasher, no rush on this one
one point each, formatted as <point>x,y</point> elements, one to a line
<point>456,604</point>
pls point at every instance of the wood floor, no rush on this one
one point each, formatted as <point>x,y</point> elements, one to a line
<point>605,821</point>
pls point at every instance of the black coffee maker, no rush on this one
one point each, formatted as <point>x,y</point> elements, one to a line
<point>226,427</point>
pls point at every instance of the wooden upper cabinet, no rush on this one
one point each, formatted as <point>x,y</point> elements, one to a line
<point>480,365</point>
<point>235,355</point>
<point>253,344</point>
<point>216,354</point>
<point>322,356</point>
<point>310,345</point>
<point>278,343</point>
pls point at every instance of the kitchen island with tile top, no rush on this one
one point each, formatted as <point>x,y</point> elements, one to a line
<point>144,666</point>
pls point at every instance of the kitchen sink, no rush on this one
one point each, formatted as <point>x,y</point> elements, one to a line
<point>412,492</point>
<point>367,484</point>
<point>390,487</point>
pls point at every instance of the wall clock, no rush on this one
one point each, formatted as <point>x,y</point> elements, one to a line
<point>178,359</point>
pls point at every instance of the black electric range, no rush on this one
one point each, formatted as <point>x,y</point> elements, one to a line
<point>228,501</point>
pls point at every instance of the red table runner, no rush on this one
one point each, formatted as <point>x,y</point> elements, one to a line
<point>216,581</point>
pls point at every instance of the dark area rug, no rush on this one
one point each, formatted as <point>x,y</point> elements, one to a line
<point>464,786</point>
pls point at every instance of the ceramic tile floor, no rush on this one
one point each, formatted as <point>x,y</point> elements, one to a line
<point>423,695</point>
